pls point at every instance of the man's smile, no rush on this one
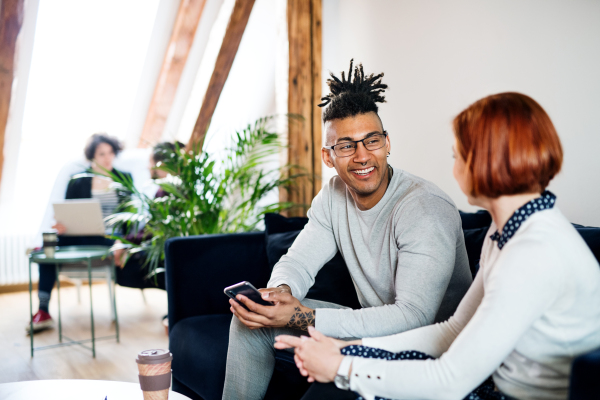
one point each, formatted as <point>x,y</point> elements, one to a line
<point>363,172</point>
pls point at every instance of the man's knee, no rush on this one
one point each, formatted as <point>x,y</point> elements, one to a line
<point>236,327</point>
<point>241,332</point>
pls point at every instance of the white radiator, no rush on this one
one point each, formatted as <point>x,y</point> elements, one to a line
<point>14,263</point>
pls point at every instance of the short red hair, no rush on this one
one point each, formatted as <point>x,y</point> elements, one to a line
<point>509,145</point>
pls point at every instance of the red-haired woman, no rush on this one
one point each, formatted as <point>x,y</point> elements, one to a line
<point>533,306</point>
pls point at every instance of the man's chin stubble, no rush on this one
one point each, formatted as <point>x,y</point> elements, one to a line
<point>365,192</point>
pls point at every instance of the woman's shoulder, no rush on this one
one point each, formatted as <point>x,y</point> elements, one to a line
<point>122,173</point>
<point>80,177</point>
<point>80,186</point>
<point>550,228</point>
<point>548,240</point>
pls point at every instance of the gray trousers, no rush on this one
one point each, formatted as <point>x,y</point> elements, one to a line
<point>251,356</point>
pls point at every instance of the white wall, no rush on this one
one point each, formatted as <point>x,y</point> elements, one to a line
<point>439,57</point>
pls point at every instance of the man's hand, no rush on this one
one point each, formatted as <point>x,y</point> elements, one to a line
<point>120,253</point>
<point>60,228</point>
<point>287,311</point>
<point>317,357</point>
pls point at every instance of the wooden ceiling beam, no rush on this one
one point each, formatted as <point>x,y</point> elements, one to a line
<point>11,20</point>
<point>182,37</point>
<point>231,42</point>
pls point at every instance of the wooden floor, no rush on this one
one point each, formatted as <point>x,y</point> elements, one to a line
<point>140,328</point>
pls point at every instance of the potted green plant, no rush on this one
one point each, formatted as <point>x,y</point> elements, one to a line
<point>206,193</point>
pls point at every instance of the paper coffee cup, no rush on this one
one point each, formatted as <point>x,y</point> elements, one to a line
<point>50,252</point>
<point>155,373</point>
<point>50,243</point>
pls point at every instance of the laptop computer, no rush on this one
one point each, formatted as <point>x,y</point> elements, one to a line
<point>81,217</point>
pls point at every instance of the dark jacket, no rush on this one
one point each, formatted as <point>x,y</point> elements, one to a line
<point>81,187</point>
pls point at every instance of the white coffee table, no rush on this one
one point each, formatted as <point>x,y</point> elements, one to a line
<point>75,389</point>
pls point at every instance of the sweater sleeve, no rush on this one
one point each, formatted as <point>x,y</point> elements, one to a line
<point>434,339</point>
<point>426,232</point>
<point>523,283</point>
<point>314,246</point>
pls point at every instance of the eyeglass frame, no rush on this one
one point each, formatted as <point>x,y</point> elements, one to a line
<point>385,135</point>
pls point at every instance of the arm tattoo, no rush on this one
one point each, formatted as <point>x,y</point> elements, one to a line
<point>301,320</point>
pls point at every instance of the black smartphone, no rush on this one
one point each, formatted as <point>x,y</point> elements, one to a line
<point>246,289</point>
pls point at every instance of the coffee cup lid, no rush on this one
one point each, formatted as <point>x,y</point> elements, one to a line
<point>154,356</point>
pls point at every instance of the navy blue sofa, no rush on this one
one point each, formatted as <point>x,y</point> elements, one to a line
<point>198,268</point>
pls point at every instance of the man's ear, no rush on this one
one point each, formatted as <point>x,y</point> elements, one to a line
<point>326,157</point>
<point>388,144</point>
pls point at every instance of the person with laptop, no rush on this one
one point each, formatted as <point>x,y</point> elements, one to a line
<point>101,151</point>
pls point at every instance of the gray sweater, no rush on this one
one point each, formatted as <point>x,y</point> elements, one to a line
<point>406,256</point>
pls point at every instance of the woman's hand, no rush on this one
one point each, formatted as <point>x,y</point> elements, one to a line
<point>60,228</point>
<point>317,357</point>
<point>285,344</point>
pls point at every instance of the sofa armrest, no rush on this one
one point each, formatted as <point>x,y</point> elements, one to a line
<point>198,268</point>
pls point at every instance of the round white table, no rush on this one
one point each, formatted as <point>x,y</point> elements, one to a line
<point>75,389</point>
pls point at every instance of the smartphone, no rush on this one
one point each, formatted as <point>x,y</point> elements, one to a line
<point>248,290</point>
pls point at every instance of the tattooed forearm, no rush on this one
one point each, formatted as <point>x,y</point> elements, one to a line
<point>301,320</point>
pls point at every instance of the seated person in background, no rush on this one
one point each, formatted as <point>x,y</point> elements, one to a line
<point>533,306</point>
<point>134,273</point>
<point>400,237</point>
<point>101,151</point>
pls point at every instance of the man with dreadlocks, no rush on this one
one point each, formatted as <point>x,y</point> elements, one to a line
<point>399,235</point>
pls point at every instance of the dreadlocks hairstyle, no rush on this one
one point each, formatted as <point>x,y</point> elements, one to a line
<point>352,97</point>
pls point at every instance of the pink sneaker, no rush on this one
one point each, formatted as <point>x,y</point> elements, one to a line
<point>41,320</point>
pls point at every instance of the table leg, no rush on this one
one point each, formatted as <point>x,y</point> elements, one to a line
<point>89,265</point>
<point>114,291</point>
<point>60,337</point>
<point>30,309</point>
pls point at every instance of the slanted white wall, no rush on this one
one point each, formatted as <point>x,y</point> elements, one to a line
<point>249,92</point>
<point>439,57</point>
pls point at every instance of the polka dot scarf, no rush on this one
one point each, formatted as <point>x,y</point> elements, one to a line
<point>485,391</point>
<point>544,202</point>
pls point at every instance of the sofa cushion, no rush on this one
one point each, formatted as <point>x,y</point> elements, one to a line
<point>592,239</point>
<point>277,223</point>
<point>479,219</point>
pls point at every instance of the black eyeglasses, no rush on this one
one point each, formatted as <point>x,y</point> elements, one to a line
<point>371,143</point>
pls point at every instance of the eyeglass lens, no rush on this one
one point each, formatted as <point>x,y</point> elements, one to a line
<point>371,143</point>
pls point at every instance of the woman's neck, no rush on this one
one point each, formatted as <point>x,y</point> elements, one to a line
<point>99,169</point>
<point>503,207</point>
